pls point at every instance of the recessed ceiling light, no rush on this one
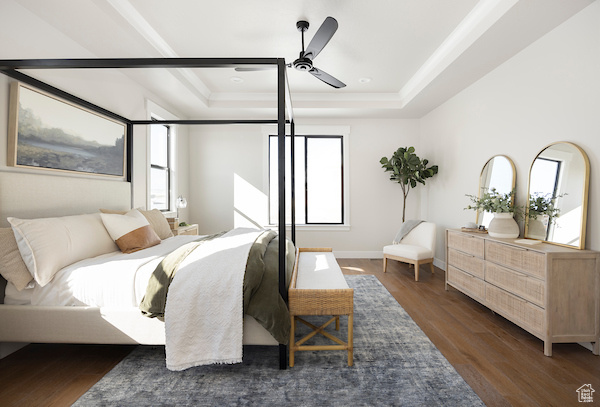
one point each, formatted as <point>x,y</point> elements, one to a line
<point>236,79</point>
<point>364,80</point>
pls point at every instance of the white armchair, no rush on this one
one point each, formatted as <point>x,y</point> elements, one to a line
<point>416,248</point>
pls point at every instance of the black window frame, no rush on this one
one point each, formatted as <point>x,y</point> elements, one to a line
<point>305,138</point>
<point>167,169</point>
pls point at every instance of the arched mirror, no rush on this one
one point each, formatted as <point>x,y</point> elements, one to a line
<point>558,195</point>
<point>499,173</point>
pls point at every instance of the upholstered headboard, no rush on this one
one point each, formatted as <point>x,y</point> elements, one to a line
<point>34,195</point>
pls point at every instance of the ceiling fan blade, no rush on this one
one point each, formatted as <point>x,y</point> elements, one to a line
<point>328,79</point>
<point>321,38</point>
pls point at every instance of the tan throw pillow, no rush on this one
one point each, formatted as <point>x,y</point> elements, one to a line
<point>49,244</point>
<point>12,267</point>
<point>131,231</point>
<point>158,222</point>
<point>156,218</point>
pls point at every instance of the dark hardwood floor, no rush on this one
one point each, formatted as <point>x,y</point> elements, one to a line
<point>503,364</point>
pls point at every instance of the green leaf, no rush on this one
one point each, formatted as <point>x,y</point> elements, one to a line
<point>407,169</point>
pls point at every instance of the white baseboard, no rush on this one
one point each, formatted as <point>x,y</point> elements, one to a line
<point>358,254</point>
<point>375,255</point>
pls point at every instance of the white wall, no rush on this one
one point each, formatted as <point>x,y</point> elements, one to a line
<point>549,92</point>
<point>108,89</point>
<point>219,154</point>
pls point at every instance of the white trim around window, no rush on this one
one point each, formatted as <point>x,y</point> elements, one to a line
<point>315,130</point>
<point>155,111</point>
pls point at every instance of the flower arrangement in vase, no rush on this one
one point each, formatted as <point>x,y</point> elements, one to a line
<point>502,206</point>
<point>542,212</point>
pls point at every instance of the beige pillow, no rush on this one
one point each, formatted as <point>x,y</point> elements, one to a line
<point>157,221</point>
<point>131,231</point>
<point>49,244</point>
<point>12,267</point>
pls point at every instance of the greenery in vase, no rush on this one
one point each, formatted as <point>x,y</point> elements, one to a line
<point>492,201</point>
<point>407,169</point>
<point>543,204</point>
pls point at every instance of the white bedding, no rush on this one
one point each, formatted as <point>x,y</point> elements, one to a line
<point>111,280</point>
<point>204,310</point>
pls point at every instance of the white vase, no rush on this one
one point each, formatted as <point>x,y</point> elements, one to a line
<point>503,225</point>
<point>536,229</point>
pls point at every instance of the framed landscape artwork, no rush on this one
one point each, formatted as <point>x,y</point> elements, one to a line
<point>46,132</point>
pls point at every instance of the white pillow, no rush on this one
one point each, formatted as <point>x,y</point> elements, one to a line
<point>50,244</point>
<point>131,231</point>
<point>155,217</point>
<point>12,267</point>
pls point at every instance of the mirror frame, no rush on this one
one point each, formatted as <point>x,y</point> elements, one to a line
<point>585,194</point>
<point>514,181</point>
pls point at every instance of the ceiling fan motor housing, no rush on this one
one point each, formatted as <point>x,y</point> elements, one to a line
<point>303,63</point>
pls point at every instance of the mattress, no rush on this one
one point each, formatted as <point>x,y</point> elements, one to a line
<point>111,280</point>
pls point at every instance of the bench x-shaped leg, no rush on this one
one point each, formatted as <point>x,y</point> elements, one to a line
<point>321,330</point>
<point>341,345</point>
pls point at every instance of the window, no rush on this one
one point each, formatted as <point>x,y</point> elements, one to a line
<point>545,174</point>
<point>319,180</point>
<point>160,184</point>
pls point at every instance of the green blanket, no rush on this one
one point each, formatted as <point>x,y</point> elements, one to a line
<point>261,293</point>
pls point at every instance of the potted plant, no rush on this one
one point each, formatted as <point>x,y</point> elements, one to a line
<point>407,169</point>
<point>542,213</point>
<point>502,206</point>
<point>543,204</point>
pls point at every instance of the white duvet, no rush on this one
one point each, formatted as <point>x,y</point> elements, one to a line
<point>111,280</point>
<point>204,310</point>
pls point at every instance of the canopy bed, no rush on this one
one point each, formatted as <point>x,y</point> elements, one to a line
<point>114,324</point>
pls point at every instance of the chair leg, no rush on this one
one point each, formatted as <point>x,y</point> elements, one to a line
<point>384,263</point>
<point>417,271</point>
<point>431,264</point>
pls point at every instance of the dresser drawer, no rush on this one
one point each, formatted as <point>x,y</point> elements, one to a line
<point>472,286</point>
<point>466,243</point>
<point>528,261</point>
<point>523,285</point>
<point>466,262</point>
<point>527,315</point>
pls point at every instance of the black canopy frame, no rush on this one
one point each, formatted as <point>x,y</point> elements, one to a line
<point>11,68</point>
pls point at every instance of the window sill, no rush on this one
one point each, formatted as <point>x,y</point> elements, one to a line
<point>314,227</point>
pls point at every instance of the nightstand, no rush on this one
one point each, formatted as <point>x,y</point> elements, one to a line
<point>186,230</point>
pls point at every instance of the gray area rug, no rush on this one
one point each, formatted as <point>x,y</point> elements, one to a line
<point>394,364</point>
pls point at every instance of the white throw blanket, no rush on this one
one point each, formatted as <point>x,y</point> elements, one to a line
<point>204,309</point>
<point>405,229</point>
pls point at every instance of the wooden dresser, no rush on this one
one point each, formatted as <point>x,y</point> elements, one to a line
<point>553,292</point>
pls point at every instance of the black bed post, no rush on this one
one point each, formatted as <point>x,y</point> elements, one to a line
<point>293,178</point>
<point>129,147</point>
<point>281,190</point>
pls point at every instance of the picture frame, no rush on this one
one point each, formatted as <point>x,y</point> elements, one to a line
<point>49,133</point>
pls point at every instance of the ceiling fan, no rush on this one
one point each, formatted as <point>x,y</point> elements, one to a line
<point>305,60</point>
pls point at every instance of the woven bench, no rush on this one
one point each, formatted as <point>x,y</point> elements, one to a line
<point>318,287</point>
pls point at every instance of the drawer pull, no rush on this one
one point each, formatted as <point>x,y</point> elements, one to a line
<point>519,273</point>
<point>518,248</point>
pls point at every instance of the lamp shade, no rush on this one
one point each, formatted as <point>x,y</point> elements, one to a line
<point>181,202</point>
